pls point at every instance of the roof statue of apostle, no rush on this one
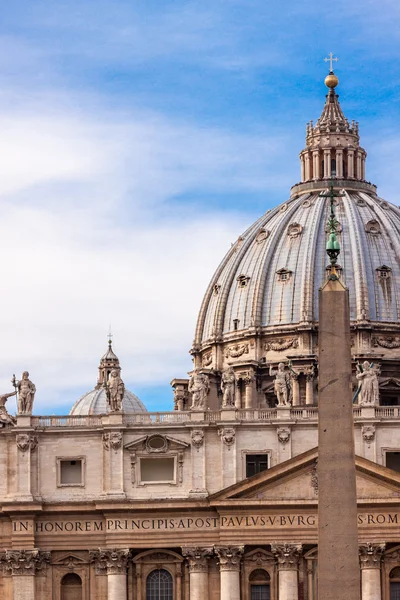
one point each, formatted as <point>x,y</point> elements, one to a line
<point>26,393</point>
<point>199,386</point>
<point>368,384</point>
<point>228,383</point>
<point>282,384</point>
<point>115,391</point>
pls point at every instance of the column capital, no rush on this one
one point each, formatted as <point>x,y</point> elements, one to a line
<point>197,558</point>
<point>112,561</point>
<point>371,555</point>
<point>229,557</point>
<point>287,555</point>
<point>26,562</point>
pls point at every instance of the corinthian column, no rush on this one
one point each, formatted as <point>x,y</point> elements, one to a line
<point>24,564</point>
<point>287,556</point>
<point>229,570</point>
<point>370,561</point>
<point>114,563</point>
<point>198,571</point>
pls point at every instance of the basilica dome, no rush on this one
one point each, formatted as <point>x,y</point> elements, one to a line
<point>95,401</point>
<point>261,305</point>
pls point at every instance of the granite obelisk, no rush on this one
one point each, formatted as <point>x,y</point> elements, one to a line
<point>338,562</point>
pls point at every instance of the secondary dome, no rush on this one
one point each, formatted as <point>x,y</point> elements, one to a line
<point>95,401</point>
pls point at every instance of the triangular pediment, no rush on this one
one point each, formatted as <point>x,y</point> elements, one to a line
<point>296,480</point>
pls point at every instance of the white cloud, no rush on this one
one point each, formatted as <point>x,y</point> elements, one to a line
<point>90,234</point>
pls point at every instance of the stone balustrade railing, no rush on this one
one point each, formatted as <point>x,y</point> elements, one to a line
<point>246,415</point>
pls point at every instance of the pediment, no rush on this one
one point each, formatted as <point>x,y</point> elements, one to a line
<point>296,481</point>
<point>146,443</point>
<point>69,559</point>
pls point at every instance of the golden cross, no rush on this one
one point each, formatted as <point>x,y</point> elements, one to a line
<point>331,59</point>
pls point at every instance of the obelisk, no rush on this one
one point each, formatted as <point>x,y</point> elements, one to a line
<point>338,562</point>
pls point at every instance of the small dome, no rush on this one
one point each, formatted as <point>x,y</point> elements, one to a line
<point>95,403</point>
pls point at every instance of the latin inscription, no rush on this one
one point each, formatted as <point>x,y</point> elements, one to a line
<point>295,521</point>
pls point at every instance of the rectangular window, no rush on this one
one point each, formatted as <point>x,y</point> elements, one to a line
<point>157,470</point>
<point>255,463</point>
<point>393,461</point>
<point>260,592</point>
<point>70,472</point>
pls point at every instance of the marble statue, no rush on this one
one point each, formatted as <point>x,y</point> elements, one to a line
<point>115,391</point>
<point>5,418</point>
<point>26,393</point>
<point>282,384</point>
<point>368,384</point>
<point>199,386</point>
<point>228,382</point>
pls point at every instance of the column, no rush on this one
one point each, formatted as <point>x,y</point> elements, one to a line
<point>114,563</point>
<point>363,166</point>
<point>327,164</point>
<point>287,556</point>
<point>198,571</point>
<point>370,562</point>
<point>295,388</point>
<point>339,163</point>
<point>310,387</point>
<point>302,165</point>
<point>317,174</point>
<point>350,163</point>
<point>307,166</point>
<point>248,381</point>
<point>229,571</point>
<point>238,395</point>
<point>24,564</point>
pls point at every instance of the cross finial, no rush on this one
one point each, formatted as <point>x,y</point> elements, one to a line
<point>331,60</point>
<point>110,336</point>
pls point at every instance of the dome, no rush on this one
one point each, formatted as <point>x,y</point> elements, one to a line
<point>95,402</point>
<point>261,306</point>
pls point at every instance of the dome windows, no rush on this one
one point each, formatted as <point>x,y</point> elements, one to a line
<point>384,272</point>
<point>243,280</point>
<point>373,227</point>
<point>216,289</point>
<point>262,235</point>
<point>294,230</point>
<point>284,275</point>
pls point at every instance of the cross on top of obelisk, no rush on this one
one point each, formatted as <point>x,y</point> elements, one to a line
<point>331,60</point>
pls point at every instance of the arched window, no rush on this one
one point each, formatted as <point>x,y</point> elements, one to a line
<point>395,584</point>
<point>260,588</point>
<point>71,587</point>
<point>159,585</point>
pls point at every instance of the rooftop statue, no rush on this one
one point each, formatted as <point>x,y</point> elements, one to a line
<point>282,384</point>
<point>368,386</point>
<point>228,382</point>
<point>199,386</point>
<point>115,391</point>
<point>5,418</point>
<point>26,393</point>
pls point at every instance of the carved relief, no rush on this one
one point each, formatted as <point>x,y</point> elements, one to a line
<point>227,436</point>
<point>26,562</point>
<point>314,477</point>
<point>371,555</point>
<point>112,440</point>
<point>197,558</point>
<point>373,227</point>
<point>229,557</point>
<point>197,438</point>
<point>206,359</point>
<point>110,561</point>
<point>283,434</point>
<point>26,442</point>
<point>368,433</point>
<point>281,344</point>
<point>294,230</point>
<point>287,555</point>
<point>236,350</point>
<point>388,342</point>
<point>262,235</point>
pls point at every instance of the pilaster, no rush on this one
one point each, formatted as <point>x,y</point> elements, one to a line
<point>370,563</point>
<point>287,556</point>
<point>229,566</point>
<point>24,565</point>
<point>197,559</point>
<point>114,563</point>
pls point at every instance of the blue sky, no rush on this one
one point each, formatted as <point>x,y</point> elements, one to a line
<point>138,140</point>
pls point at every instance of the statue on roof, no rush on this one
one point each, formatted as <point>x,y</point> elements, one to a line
<point>199,387</point>
<point>282,384</point>
<point>368,386</point>
<point>5,417</point>
<point>26,393</point>
<point>228,382</point>
<point>115,391</point>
